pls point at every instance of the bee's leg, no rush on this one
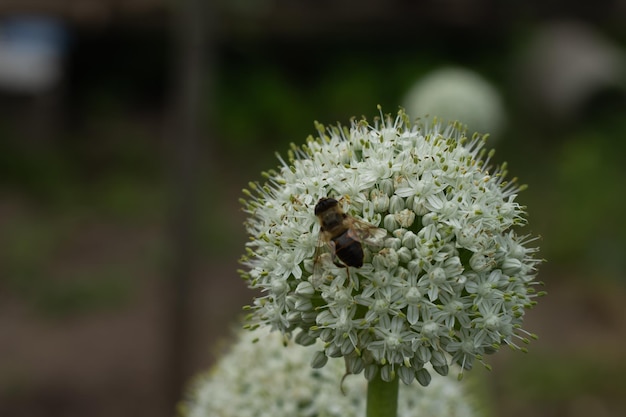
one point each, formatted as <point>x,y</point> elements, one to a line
<point>336,260</point>
<point>340,264</point>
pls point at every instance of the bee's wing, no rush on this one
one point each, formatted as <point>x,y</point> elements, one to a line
<point>366,232</point>
<point>324,256</point>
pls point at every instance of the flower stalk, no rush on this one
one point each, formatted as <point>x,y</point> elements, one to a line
<point>382,397</point>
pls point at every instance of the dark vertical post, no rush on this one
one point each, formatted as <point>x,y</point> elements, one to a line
<point>191,68</point>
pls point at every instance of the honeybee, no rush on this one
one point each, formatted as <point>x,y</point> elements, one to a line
<point>343,234</point>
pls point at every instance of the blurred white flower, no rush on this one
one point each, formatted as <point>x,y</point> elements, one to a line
<point>565,67</point>
<point>452,279</point>
<point>269,379</point>
<point>454,93</point>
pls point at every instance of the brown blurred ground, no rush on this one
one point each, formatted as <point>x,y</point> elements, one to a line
<point>110,360</point>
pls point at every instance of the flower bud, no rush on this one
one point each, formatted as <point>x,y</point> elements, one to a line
<point>380,201</point>
<point>390,223</point>
<point>405,218</point>
<point>396,204</point>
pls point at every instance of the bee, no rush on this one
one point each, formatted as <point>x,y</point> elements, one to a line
<point>343,234</point>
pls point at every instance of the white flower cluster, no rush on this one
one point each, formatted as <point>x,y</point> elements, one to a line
<point>267,379</point>
<point>450,282</point>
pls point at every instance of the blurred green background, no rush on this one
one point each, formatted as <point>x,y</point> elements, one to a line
<point>122,165</point>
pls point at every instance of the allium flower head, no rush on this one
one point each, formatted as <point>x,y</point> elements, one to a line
<point>449,283</point>
<point>267,379</point>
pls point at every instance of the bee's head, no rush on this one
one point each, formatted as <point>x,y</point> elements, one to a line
<point>324,204</point>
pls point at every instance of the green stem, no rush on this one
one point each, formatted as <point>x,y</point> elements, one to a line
<point>382,397</point>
